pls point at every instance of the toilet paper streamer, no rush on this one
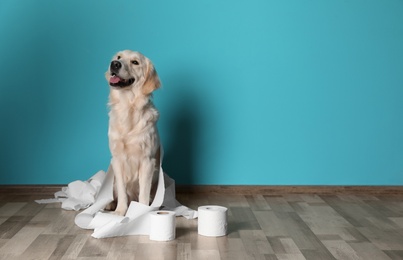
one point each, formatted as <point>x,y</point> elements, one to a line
<point>212,221</point>
<point>97,192</point>
<point>162,225</point>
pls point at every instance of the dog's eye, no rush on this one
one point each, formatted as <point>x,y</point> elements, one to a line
<point>135,62</point>
<point>118,57</point>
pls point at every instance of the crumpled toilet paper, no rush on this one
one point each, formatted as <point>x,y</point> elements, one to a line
<point>97,192</point>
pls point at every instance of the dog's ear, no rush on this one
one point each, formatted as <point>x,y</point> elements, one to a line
<point>152,80</point>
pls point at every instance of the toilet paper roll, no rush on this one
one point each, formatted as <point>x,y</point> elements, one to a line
<point>162,225</point>
<point>212,221</point>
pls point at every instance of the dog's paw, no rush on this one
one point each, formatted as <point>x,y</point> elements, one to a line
<point>119,212</point>
<point>111,206</point>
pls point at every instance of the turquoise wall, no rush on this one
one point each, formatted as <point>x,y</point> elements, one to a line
<point>254,92</point>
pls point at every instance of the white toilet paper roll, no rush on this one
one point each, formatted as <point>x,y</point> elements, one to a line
<point>162,225</point>
<point>212,221</point>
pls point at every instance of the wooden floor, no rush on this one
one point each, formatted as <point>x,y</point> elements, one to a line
<point>260,227</point>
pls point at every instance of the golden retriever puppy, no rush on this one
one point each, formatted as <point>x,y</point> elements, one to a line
<point>133,136</point>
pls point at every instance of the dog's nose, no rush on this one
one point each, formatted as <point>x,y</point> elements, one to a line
<point>115,65</point>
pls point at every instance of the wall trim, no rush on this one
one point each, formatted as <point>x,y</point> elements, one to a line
<point>288,189</point>
<point>232,189</point>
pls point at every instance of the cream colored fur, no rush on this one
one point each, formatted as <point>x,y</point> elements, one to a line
<point>133,136</point>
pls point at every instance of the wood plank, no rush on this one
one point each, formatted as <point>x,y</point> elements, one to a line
<point>183,251</point>
<point>367,250</point>
<point>158,250</point>
<point>20,242</point>
<point>341,250</point>
<point>123,247</point>
<point>242,218</point>
<point>62,246</point>
<point>255,242</point>
<point>231,248</point>
<point>383,239</point>
<point>271,225</point>
<point>257,202</point>
<point>13,225</point>
<point>316,255</point>
<point>76,246</point>
<point>290,257</point>
<point>96,248</point>
<point>205,254</point>
<point>394,254</point>
<point>42,247</point>
<point>9,209</point>
<point>398,221</point>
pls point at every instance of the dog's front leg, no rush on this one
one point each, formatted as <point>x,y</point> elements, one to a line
<point>146,174</point>
<point>122,203</point>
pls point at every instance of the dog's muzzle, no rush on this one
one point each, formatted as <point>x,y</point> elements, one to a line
<point>115,80</point>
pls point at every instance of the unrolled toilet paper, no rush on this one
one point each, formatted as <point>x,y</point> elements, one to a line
<point>212,221</point>
<point>162,225</point>
<point>100,189</point>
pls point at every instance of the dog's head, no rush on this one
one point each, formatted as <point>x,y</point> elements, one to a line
<point>129,69</point>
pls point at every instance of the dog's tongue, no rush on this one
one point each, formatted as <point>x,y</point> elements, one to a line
<point>114,79</point>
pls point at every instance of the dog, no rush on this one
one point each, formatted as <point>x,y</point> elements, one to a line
<point>133,135</point>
